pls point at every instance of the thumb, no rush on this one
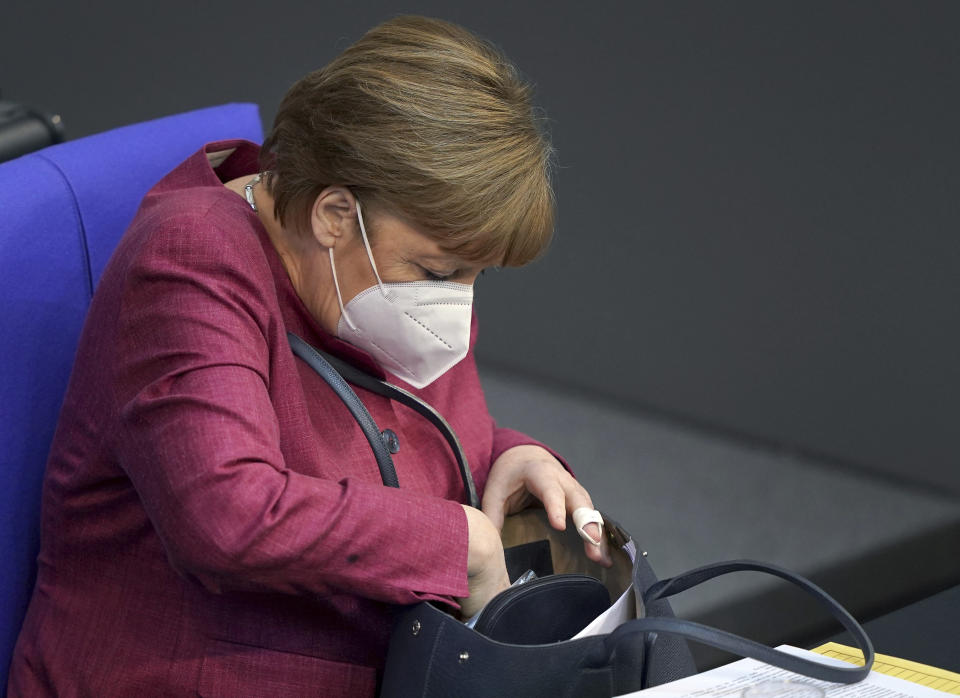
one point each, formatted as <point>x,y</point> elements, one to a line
<point>492,505</point>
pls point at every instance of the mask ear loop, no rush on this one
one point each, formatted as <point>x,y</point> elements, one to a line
<point>366,244</point>
<point>336,285</point>
<point>333,268</point>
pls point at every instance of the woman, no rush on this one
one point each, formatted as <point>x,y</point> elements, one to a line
<point>213,519</point>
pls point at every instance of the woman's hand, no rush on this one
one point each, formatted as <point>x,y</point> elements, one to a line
<point>523,474</point>
<point>486,569</point>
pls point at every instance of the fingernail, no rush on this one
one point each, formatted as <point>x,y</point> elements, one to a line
<point>586,536</point>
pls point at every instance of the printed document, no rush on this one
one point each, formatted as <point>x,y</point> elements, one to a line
<point>729,682</point>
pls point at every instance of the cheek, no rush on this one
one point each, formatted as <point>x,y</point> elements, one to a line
<point>393,271</point>
<point>354,274</point>
<point>393,266</point>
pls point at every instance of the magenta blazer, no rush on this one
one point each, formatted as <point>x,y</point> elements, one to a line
<point>213,517</point>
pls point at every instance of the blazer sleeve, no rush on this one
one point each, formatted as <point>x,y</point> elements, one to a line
<point>199,438</point>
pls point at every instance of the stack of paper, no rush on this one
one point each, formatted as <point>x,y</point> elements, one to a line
<point>890,678</point>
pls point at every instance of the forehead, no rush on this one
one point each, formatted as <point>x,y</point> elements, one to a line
<point>389,231</point>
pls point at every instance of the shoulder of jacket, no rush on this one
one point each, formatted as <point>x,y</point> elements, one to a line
<point>204,221</point>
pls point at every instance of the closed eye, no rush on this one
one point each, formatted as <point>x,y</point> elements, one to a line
<point>436,275</point>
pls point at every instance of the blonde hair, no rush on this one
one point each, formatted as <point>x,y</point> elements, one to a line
<point>424,119</point>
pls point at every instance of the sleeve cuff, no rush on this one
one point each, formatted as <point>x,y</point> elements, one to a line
<point>402,546</point>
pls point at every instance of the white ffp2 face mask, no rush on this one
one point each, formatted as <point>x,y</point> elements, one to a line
<point>416,330</point>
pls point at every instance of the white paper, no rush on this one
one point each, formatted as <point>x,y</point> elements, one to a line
<point>623,609</point>
<point>627,607</point>
<point>730,680</point>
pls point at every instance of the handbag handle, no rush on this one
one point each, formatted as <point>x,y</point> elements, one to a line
<point>736,644</point>
<point>313,358</point>
<point>337,372</point>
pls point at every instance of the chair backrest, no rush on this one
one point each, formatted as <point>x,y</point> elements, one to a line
<point>64,209</point>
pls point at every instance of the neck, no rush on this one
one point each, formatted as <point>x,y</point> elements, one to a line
<point>307,266</point>
<point>284,241</point>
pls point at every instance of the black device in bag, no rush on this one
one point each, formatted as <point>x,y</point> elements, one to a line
<point>433,654</point>
<point>527,614</point>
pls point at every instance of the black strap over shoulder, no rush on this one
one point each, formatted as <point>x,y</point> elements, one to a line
<point>337,373</point>
<point>388,473</point>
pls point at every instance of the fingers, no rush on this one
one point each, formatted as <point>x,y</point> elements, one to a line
<point>589,524</point>
<point>599,553</point>
<point>559,492</point>
<point>530,470</point>
<point>593,532</point>
<point>494,501</point>
<point>575,497</point>
<point>558,501</point>
<point>554,502</point>
<point>505,491</point>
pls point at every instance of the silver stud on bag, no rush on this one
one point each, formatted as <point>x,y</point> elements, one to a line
<point>416,627</point>
<point>464,656</point>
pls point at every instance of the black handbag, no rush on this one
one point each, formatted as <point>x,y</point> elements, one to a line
<point>432,654</point>
<point>520,644</point>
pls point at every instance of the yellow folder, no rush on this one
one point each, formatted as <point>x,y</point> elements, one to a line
<point>940,679</point>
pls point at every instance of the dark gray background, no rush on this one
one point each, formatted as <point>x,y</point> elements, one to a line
<point>758,200</point>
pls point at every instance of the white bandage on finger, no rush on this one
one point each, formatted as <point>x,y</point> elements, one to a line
<point>585,515</point>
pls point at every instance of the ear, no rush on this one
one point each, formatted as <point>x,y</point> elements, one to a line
<point>333,216</point>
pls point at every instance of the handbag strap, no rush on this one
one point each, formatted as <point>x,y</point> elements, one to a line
<point>337,373</point>
<point>313,358</point>
<point>736,644</point>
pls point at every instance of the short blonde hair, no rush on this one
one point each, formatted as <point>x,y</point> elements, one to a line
<point>424,119</point>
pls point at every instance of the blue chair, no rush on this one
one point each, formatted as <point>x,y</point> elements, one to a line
<point>63,211</point>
